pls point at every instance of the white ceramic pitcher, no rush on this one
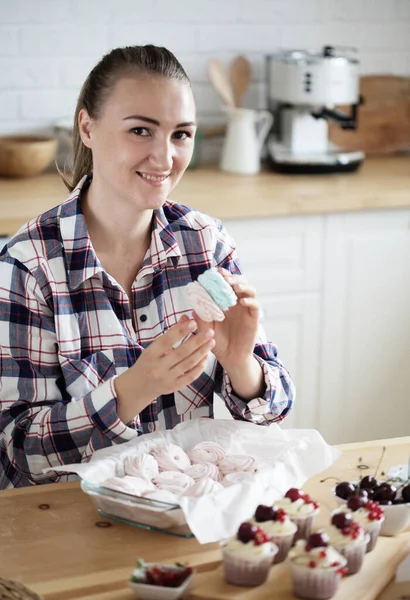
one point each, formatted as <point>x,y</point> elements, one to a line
<point>246,132</point>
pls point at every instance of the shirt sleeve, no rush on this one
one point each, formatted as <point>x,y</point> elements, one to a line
<point>40,426</point>
<point>280,391</point>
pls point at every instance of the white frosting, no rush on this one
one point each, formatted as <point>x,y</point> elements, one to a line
<point>129,485</point>
<point>206,469</point>
<point>171,458</point>
<point>144,466</point>
<point>276,527</point>
<point>249,551</point>
<point>296,509</point>
<point>207,452</point>
<point>323,557</point>
<point>203,486</point>
<point>173,481</point>
<point>337,538</point>
<point>238,462</point>
<point>361,516</point>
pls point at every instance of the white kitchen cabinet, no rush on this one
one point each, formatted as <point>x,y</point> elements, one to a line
<point>335,291</point>
<point>282,258</point>
<point>365,327</point>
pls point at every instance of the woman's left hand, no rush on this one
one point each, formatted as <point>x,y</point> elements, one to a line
<point>235,336</point>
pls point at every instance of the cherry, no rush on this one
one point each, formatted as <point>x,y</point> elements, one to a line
<point>385,502</point>
<point>363,494</point>
<point>344,490</point>
<point>356,502</point>
<point>405,493</point>
<point>384,491</point>
<point>341,520</point>
<point>294,494</point>
<point>368,482</point>
<point>318,540</point>
<point>265,513</point>
<point>246,532</point>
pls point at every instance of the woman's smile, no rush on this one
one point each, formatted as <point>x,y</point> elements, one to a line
<point>153,179</point>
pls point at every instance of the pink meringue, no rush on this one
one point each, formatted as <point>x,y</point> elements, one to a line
<point>144,466</point>
<point>207,452</point>
<point>202,303</point>
<point>238,462</point>
<point>171,458</point>
<point>203,486</point>
<point>137,486</point>
<point>205,469</point>
<point>173,481</point>
<point>236,477</point>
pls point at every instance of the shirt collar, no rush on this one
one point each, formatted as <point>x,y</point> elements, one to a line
<point>82,261</point>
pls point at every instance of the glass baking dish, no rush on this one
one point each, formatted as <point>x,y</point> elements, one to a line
<point>138,511</point>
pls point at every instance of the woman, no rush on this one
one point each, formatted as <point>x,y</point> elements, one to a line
<point>93,306</point>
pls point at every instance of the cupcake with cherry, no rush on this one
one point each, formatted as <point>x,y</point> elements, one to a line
<point>393,496</point>
<point>301,509</point>
<point>367,513</point>
<point>316,567</point>
<point>248,556</point>
<point>349,539</point>
<point>276,523</point>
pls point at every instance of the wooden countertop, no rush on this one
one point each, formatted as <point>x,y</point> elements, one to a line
<point>53,540</point>
<point>381,183</point>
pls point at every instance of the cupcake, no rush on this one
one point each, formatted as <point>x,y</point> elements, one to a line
<point>278,526</point>
<point>349,539</point>
<point>316,567</point>
<point>248,556</point>
<point>301,509</point>
<point>368,514</point>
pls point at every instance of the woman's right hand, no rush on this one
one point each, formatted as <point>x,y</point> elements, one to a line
<point>162,368</point>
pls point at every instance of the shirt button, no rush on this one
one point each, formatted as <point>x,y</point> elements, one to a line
<point>143,318</point>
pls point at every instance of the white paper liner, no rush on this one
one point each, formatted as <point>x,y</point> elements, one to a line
<point>291,457</point>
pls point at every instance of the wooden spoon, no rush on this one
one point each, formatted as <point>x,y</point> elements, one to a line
<point>220,80</point>
<point>240,74</point>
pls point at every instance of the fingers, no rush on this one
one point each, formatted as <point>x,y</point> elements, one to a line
<point>189,362</point>
<point>165,344</point>
<point>239,284</point>
<point>252,304</point>
<point>202,325</point>
<point>190,376</point>
<point>191,352</point>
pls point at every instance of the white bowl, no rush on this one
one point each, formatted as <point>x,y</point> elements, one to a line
<point>396,518</point>
<point>147,591</point>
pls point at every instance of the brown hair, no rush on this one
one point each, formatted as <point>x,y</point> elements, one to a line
<point>140,60</point>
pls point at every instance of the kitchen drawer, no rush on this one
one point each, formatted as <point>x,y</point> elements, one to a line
<point>280,254</point>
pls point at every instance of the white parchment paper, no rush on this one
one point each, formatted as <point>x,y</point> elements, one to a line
<point>291,457</point>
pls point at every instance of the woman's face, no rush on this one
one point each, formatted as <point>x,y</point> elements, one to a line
<point>143,140</point>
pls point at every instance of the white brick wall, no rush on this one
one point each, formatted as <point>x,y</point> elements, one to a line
<point>47,47</point>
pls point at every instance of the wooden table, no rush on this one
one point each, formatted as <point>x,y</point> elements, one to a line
<point>52,539</point>
<point>381,183</point>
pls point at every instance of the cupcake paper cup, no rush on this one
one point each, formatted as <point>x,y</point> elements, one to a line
<point>304,525</point>
<point>315,584</point>
<point>354,554</point>
<point>239,571</point>
<point>373,529</point>
<point>284,543</point>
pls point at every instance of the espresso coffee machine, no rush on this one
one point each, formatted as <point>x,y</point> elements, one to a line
<point>304,87</point>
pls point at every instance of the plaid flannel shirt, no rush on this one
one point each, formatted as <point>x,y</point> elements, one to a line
<point>66,332</point>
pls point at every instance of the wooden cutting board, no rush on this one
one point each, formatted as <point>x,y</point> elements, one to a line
<point>384,119</point>
<point>379,568</point>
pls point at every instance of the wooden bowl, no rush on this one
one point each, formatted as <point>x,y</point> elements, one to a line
<point>26,155</point>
